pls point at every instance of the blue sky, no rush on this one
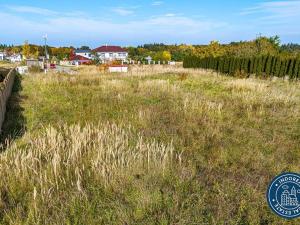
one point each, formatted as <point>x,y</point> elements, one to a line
<point>93,23</point>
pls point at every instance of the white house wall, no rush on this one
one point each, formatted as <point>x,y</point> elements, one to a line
<point>86,55</point>
<point>2,56</point>
<point>112,55</point>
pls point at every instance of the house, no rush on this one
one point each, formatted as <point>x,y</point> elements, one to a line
<point>110,53</point>
<point>22,69</point>
<point>79,59</point>
<point>34,63</point>
<point>84,53</point>
<point>15,58</point>
<point>2,56</point>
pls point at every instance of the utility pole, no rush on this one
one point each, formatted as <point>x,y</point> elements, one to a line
<point>45,37</point>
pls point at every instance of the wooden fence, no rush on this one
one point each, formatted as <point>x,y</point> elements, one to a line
<point>5,91</point>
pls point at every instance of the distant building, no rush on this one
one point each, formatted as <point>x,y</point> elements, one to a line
<point>84,53</point>
<point>22,69</point>
<point>110,53</point>
<point>79,59</point>
<point>15,58</point>
<point>2,56</point>
<point>34,63</point>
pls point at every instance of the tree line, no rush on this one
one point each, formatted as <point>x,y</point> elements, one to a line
<point>34,51</point>
<point>162,52</point>
<point>258,46</point>
<point>262,66</point>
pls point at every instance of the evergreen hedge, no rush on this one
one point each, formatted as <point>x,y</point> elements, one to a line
<point>262,66</point>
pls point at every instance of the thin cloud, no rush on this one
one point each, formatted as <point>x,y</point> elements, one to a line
<point>157,3</point>
<point>31,10</point>
<point>42,11</point>
<point>173,21</point>
<point>170,15</point>
<point>278,9</point>
<point>123,11</point>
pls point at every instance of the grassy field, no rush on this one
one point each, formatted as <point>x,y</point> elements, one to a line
<point>5,64</point>
<point>155,146</point>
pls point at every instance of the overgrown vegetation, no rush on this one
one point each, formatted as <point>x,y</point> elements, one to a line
<point>149,148</point>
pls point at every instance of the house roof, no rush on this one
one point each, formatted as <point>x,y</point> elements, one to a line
<point>109,49</point>
<point>78,57</point>
<point>15,55</point>
<point>82,51</point>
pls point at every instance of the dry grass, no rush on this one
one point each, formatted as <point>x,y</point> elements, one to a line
<point>155,146</point>
<point>5,64</point>
<point>60,157</point>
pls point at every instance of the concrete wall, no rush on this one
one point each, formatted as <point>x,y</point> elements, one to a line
<point>118,69</point>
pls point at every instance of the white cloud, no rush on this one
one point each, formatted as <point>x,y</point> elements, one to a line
<point>274,18</point>
<point>186,24</point>
<point>157,3</point>
<point>66,29</point>
<point>122,11</point>
<point>170,15</point>
<point>42,11</point>
<point>31,10</point>
<point>275,9</point>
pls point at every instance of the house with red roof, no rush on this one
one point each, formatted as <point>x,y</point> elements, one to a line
<point>84,53</point>
<point>110,53</point>
<point>77,59</point>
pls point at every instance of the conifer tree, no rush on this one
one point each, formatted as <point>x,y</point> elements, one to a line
<point>291,68</point>
<point>268,66</point>
<point>283,68</point>
<point>259,67</point>
<point>278,67</point>
<point>297,68</point>
<point>274,62</point>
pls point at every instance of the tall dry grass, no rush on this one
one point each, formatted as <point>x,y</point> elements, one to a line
<point>69,159</point>
<point>58,156</point>
<point>144,70</point>
<point>157,145</point>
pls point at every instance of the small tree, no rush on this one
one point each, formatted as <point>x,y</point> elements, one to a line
<point>162,56</point>
<point>26,50</point>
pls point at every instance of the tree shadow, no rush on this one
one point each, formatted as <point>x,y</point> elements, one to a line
<point>14,125</point>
